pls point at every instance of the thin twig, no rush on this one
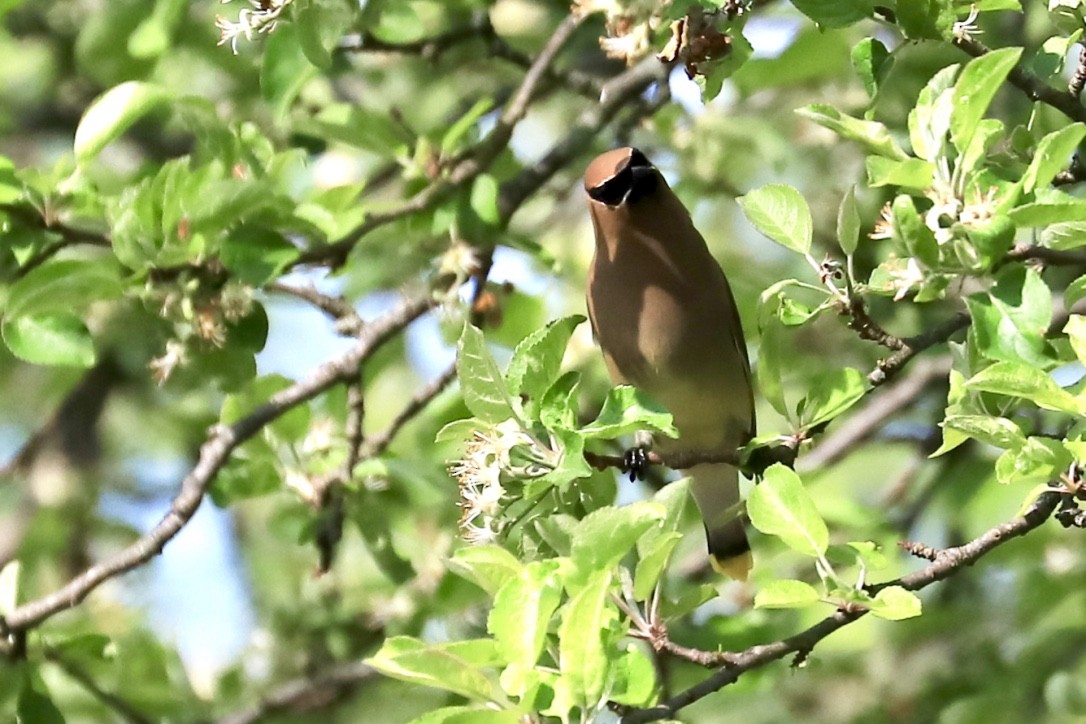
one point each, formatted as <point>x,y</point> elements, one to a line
<point>470,166</point>
<point>946,563</point>
<point>886,368</point>
<point>378,443</point>
<point>1047,256</point>
<point>214,453</point>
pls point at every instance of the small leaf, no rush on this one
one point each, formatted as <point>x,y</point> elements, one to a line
<point>113,113</point>
<point>996,431</point>
<point>913,173</point>
<point>1014,379</point>
<point>1010,322</point>
<point>1075,329</point>
<point>894,603</point>
<point>976,87</point>
<point>1062,209</point>
<point>1052,154</point>
<point>453,666</point>
<point>605,536</point>
<point>831,394</point>
<point>58,339</point>
<point>834,13</point>
<point>785,593</point>
<point>256,255</point>
<point>848,223</point>
<point>780,213</point>
<point>1039,460</point>
<point>481,382</point>
<point>285,70</point>
<point>64,285</point>
<point>34,707</point>
<point>872,61</point>
<point>522,611</point>
<point>582,656</point>
<point>538,358</point>
<point>488,566</point>
<point>627,410</point>
<point>782,507</point>
<point>872,135</point>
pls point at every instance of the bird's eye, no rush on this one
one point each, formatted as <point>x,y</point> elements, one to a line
<point>613,191</point>
<point>637,159</point>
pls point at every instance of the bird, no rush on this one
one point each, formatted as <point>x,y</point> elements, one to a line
<point>666,321</point>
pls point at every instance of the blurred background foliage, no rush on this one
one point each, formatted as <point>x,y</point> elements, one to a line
<point>342,112</point>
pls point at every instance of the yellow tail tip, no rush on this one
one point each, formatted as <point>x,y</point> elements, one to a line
<point>737,567</point>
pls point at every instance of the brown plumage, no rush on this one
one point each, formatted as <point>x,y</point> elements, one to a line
<point>667,323</point>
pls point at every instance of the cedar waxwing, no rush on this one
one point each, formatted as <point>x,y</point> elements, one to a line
<point>665,318</point>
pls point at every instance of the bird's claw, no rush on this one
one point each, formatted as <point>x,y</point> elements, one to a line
<point>636,462</point>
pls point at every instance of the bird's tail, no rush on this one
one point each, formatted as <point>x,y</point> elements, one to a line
<point>716,491</point>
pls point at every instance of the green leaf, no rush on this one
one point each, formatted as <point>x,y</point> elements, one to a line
<point>771,362</point>
<point>780,213</point>
<point>912,173</point>
<point>484,199</point>
<point>834,13</point>
<point>10,576</point>
<point>522,611</point>
<point>582,641</point>
<point>453,667</point>
<point>58,339</point>
<point>872,135</point>
<point>832,393</point>
<point>871,61</point>
<point>1056,209</point>
<point>1075,291</point>
<point>634,678</point>
<point>11,188</point>
<point>1039,460</point>
<point>321,24</point>
<point>488,566</point>
<point>627,410</point>
<point>481,714</point>
<point>929,120</point>
<point>894,603</point>
<point>651,564</point>
<point>35,707</point>
<point>848,222</point>
<point>285,70</point>
<point>1052,154</point>
<point>785,593</point>
<point>976,87</point>
<point>113,113</point>
<point>1010,321</point>
<point>558,408</point>
<point>780,506</point>
<point>481,382</point>
<point>459,129</point>
<point>1015,379</point>
<point>1069,235</point>
<point>64,285</point>
<point>538,358</point>
<point>606,535</point>
<point>256,255</point>
<point>1075,329</point>
<point>997,431</point>
<point>291,426</point>
<point>909,227</point>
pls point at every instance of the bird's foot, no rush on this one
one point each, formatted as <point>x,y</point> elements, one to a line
<point>635,462</point>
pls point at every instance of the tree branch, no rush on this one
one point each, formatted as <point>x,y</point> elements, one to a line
<point>214,453</point>
<point>946,563</point>
<point>886,368</point>
<point>470,166</point>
